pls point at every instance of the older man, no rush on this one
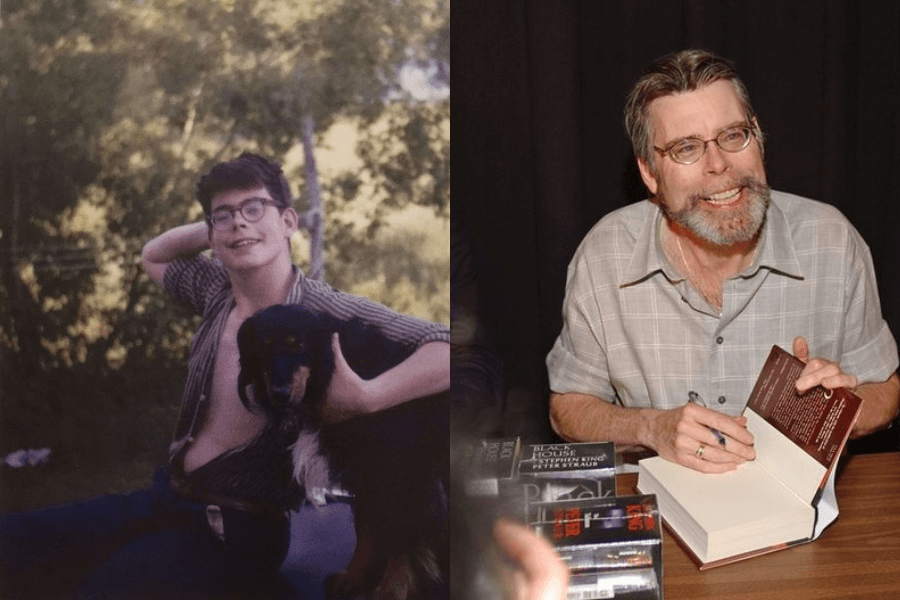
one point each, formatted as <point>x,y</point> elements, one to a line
<point>681,296</point>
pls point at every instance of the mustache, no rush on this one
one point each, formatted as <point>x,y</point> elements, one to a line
<point>751,183</point>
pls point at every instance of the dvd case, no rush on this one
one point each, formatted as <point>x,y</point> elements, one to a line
<point>490,464</point>
<point>612,545</point>
<point>550,472</point>
<point>566,492</point>
<point>591,459</point>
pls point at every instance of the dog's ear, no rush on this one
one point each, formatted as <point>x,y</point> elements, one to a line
<point>247,348</point>
<point>242,386</point>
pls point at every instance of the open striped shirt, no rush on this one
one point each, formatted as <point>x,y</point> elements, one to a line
<point>203,283</point>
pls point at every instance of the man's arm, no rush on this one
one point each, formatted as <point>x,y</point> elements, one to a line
<point>425,372</point>
<point>675,434</point>
<point>880,404</point>
<point>182,241</point>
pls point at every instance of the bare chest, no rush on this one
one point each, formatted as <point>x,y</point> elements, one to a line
<point>227,423</point>
<point>224,392</point>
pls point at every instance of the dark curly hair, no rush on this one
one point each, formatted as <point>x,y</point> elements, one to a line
<point>244,172</point>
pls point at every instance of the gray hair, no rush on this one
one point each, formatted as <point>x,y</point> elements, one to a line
<point>683,71</point>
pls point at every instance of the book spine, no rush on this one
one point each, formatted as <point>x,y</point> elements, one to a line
<point>490,464</point>
<point>559,459</point>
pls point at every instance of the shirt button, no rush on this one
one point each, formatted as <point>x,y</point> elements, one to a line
<point>720,339</point>
<point>721,399</point>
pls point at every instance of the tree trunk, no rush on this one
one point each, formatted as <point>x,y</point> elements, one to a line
<point>313,217</point>
<point>27,336</point>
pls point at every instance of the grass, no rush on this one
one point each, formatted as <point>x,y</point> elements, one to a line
<point>107,435</point>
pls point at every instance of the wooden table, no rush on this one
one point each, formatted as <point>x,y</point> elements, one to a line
<point>857,557</point>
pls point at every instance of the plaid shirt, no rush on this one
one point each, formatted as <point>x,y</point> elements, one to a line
<point>636,333</point>
<point>204,284</point>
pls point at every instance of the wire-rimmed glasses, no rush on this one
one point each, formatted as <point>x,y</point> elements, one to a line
<point>687,151</point>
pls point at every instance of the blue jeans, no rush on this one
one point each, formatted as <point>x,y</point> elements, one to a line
<point>146,544</point>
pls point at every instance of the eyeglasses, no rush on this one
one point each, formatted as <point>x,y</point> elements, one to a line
<point>251,209</point>
<point>687,151</point>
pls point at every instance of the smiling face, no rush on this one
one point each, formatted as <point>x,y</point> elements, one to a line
<point>244,245</point>
<point>721,198</point>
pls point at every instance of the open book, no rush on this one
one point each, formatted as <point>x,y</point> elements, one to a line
<point>770,503</point>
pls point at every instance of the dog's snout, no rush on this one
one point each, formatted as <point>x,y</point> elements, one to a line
<point>282,390</point>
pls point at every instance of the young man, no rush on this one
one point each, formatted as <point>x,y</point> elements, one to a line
<point>682,296</point>
<point>214,522</point>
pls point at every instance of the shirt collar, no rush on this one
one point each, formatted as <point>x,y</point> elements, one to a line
<point>776,254</point>
<point>295,293</point>
<point>647,258</point>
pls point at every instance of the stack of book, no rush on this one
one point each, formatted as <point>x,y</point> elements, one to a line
<point>567,493</point>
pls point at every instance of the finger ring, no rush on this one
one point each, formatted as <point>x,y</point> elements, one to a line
<point>699,452</point>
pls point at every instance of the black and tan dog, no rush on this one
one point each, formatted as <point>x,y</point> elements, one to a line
<point>393,462</point>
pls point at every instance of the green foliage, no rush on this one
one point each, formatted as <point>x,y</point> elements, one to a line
<point>111,111</point>
<point>409,157</point>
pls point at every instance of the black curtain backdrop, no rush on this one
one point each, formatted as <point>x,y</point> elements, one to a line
<point>540,153</point>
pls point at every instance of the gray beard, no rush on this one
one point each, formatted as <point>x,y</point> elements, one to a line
<point>740,225</point>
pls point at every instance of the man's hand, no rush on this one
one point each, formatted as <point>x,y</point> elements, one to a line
<point>819,371</point>
<point>540,574</point>
<point>676,434</point>
<point>348,394</point>
<point>679,434</point>
<point>880,400</point>
<point>425,372</point>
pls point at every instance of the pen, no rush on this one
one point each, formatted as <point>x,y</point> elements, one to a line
<point>695,398</point>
